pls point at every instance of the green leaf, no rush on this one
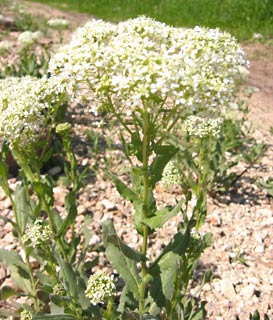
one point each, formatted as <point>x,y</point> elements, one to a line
<point>8,220</point>
<point>69,277</point>
<point>164,270</point>
<point>12,258</point>
<point>44,190</point>
<point>162,216</point>
<point>127,300</point>
<point>123,258</point>
<point>18,270</point>
<point>21,277</point>
<point>22,207</point>
<point>7,292</point>
<point>164,155</point>
<point>7,313</point>
<point>255,316</point>
<point>87,236</point>
<point>58,316</point>
<point>71,208</point>
<point>124,191</point>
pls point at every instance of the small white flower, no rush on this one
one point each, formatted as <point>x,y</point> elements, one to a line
<point>28,38</point>
<point>143,62</point>
<point>26,315</point>
<point>26,105</point>
<point>171,176</point>
<point>4,47</point>
<point>58,290</point>
<point>100,287</point>
<point>37,235</point>
<point>202,127</point>
<point>58,24</point>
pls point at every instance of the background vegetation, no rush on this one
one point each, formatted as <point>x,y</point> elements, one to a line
<point>242,18</point>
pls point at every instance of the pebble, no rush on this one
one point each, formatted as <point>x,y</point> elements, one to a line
<point>54,171</point>
<point>247,292</point>
<point>2,194</point>
<point>108,204</point>
<point>259,249</point>
<point>227,289</point>
<point>7,203</point>
<point>59,195</point>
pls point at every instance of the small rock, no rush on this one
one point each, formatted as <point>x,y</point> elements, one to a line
<point>227,289</point>
<point>247,292</point>
<point>7,203</point>
<point>108,204</point>
<point>259,249</point>
<point>207,287</point>
<point>59,195</point>
<point>215,221</point>
<point>54,171</point>
<point>84,162</point>
<point>95,239</point>
<point>2,194</point>
<point>81,209</point>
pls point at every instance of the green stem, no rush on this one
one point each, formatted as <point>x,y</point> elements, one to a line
<point>146,192</point>
<point>33,282</point>
<point>52,225</point>
<point>109,309</point>
<point>199,170</point>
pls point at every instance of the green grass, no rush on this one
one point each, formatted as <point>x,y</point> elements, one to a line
<point>242,18</point>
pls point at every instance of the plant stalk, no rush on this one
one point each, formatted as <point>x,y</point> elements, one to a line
<point>146,192</point>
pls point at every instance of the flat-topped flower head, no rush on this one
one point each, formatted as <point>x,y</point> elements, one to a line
<point>28,38</point>
<point>37,235</point>
<point>171,176</point>
<point>26,105</point>
<point>100,288</point>
<point>5,47</point>
<point>26,315</point>
<point>203,127</point>
<point>58,24</point>
<point>142,62</point>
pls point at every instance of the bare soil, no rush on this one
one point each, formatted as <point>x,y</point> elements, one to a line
<point>242,255</point>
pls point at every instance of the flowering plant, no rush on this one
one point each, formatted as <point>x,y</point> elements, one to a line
<point>151,76</point>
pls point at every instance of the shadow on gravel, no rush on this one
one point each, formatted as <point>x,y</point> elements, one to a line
<point>244,192</point>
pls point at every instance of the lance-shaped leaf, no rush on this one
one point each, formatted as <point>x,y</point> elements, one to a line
<point>59,316</point>
<point>164,270</point>
<point>7,292</point>
<point>17,268</point>
<point>163,155</point>
<point>127,300</point>
<point>162,216</point>
<point>71,209</point>
<point>44,190</point>
<point>124,191</point>
<point>22,207</point>
<point>68,275</point>
<point>123,258</point>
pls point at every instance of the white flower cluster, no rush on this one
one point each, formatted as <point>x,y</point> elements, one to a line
<point>58,24</point>
<point>37,235</point>
<point>4,47</point>
<point>100,287</point>
<point>26,104</point>
<point>28,38</point>
<point>202,127</point>
<point>58,290</point>
<point>171,176</point>
<point>26,315</point>
<point>142,62</point>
